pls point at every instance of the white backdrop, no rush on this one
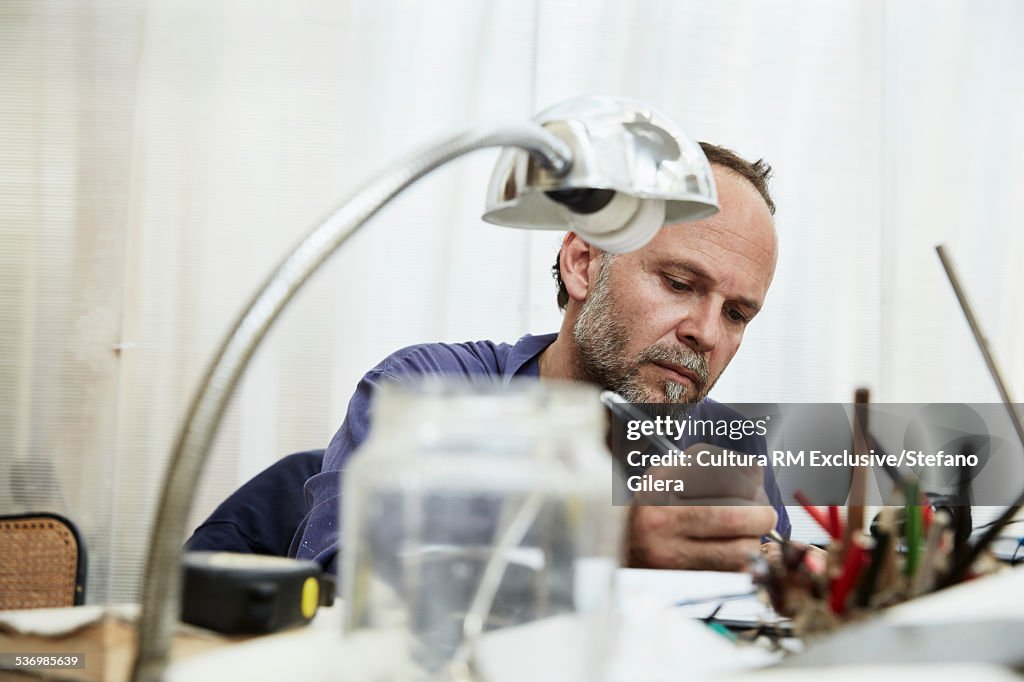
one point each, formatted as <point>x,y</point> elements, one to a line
<point>158,158</point>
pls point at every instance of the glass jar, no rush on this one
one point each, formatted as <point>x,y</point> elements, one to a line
<point>471,508</point>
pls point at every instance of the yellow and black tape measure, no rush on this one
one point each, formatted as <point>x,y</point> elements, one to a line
<point>249,593</point>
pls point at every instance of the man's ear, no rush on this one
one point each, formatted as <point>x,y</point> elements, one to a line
<point>580,263</point>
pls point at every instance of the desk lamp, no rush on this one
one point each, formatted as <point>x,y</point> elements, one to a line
<point>611,169</point>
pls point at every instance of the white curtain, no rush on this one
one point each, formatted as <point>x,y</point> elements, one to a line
<point>157,159</point>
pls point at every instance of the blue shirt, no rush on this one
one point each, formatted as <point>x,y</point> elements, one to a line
<point>318,535</point>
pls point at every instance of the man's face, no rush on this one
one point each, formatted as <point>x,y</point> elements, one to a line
<point>662,323</point>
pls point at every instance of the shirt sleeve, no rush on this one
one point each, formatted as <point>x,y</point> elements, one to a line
<point>317,536</point>
<point>261,516</point>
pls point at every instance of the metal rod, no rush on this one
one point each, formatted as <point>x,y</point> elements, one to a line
<point>979,337</point>
<point>961,567</point>
<point>162,582</point>
<point>858,478</point>
<point>626,410</point>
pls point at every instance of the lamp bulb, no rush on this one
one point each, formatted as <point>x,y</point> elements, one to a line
<point>624,224</point>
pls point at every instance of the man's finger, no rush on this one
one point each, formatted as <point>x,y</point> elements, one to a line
<point>706,482</point>
<point>725,555</point>
<point>754,472</point>
<point>694,554</point>
<point>723,521</point>
<point>664,523</point>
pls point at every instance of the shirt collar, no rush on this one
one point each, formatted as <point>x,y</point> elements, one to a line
<point>524,358</point>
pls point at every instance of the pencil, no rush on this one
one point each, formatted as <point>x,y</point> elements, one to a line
<point>834,521</point>
<point>874,570</point>
<point>858,481</point>
<point>912,530</point>
<point>815,514</point>
<point>854,561</point>
<point>925,574</point>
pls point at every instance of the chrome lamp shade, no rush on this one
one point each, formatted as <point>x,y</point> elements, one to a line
<point>632,171</point>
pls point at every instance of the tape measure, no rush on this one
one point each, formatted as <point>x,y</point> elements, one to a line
<point>249,593</point>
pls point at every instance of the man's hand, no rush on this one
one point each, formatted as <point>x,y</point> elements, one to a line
<point>772,552</point>
<point>697,538</point>
<point>717,524</point>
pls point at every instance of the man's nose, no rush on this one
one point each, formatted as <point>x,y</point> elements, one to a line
<point>700,328</point>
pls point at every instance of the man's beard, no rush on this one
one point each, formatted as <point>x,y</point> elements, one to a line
<point>601,341</point>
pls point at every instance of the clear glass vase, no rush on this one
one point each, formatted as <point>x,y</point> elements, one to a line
<point>471,508</point>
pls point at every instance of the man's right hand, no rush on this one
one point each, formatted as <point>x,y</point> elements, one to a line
<point>717,524</point>
<point>697,538</point>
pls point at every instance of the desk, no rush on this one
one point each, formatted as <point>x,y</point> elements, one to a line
<point>654,641</point>
<point>104,636</point>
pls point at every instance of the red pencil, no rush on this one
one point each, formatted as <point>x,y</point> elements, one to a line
<point>834,521</point>
<point>816,514</point>
<point>856,559</point>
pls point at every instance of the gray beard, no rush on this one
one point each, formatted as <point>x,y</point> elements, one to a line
<point>601,341</point>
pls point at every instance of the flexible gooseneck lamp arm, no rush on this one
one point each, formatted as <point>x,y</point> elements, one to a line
<point>162,583</point>
<point>611,169</point>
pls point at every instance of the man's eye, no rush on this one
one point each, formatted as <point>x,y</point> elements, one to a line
<point>736,315</point>
<point>679,286</point>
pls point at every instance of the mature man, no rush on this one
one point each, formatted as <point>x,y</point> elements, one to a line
<point>657,325</point>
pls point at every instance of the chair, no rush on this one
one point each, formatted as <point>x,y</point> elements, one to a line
<point>42,562</point>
